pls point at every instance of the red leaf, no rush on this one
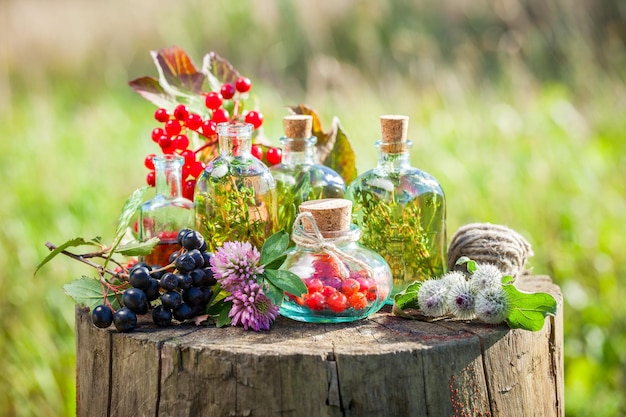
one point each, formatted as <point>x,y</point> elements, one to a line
<point>177,70</point>
<point>220,68</point>
<point>150,89</point>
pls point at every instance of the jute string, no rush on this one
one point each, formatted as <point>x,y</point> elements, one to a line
<point>490,243</point>
<point>316,241</point>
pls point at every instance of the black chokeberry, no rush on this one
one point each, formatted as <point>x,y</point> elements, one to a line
<point>193,296</point>
<point>183,312</point>
<point>185,263</point>
<point>171,299</point>
<point>161,316</point>
<point>140,278</point>
<point>102,316</point>
<point>136,300</point>
<point>124,320</point>
<point>181,234</point>
<point>197,257</point>
<point>192,240</point>
<point>169,281</point>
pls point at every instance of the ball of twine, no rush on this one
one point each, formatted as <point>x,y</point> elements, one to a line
<point>490,243</point>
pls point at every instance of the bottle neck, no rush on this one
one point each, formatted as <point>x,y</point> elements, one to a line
<point>235,139</point>
<point>394,156</point>
<point>168,172</point>
<point>298,151</point>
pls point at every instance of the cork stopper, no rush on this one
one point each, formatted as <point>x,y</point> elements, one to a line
<point>331,215</point>
<point>394,129</point>
<point>298,126</point>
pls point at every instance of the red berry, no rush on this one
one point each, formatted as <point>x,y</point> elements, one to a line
<point>213,100</point>
<point>314,285</point>
<point>172,127</point>
<point>255,118</point>
<point>149,161</point>
<point>274,155</point>
<point>316,301</point>
<point>358,301</point>
<point>350,286</point>
<point>327,291</point>
<point>243,84</point>
<point>157,132</point>
<point>257,152</point>
<point>227,91</point>
<point>196,169</point>
<point>165,142</point>
<point>181,113</point>
<point>161,115</point>
<point>188,189</point>
<point>220,115</point>
<point>337,302</point>
<point>151,178</point>
<point>209,128</point>
<point>189,155</point>
<point>180,142</point>
<point>194,121</point>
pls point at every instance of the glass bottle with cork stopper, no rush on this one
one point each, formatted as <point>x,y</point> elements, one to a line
<point>298,177</point>
<point>345,280</point>
<point>168,212</point>
<point>235,196</point>
<point>401,209</point>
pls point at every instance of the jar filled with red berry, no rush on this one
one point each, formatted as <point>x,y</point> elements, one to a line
<point>168,212</point>
<point>345,280</point>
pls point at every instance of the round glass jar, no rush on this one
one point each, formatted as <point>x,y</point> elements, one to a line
<point>345,280</point>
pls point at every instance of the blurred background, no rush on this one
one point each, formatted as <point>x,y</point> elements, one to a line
<point>518,108</point>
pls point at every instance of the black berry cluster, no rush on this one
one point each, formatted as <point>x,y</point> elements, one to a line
<point>178,291</point>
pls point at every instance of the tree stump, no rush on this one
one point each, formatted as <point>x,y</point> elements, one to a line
<point>382,366</point>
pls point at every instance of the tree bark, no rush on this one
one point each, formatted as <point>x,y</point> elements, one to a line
<point>382,366</point>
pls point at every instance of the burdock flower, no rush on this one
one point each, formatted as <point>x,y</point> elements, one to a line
<point>485,276</point>
<point>432,297</point>
<point>492,305</point>
<point>251,308</point>
<point>460,299</point>
<point>235,264</point>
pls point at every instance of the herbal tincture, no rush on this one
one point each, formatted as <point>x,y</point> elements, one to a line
<point>298,177</point>
<point>235,196</point>
<point>401,209</point>
<point>168,212</point>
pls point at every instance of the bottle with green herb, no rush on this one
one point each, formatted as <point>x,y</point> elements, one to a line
<point>401,210</point>
<point>298,177</point>
<point>235,196</point>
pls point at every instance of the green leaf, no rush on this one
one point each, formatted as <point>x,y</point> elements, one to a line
<point>507,279</point>
<point>408,297</point>
<point>276,262</point>
<point>137,248</point>
<point>470,264</point>
<point>274,248</point>
<point>87,291</point>
<point>528,310</point>
<point>78,241</point>
<point>128,211</point>
<point>221,317</point>
<point>275,294</point>
<point>286,281</point>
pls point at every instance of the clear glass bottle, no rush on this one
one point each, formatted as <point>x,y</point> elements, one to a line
<point>298,177</point>
<point>235,196</point>
<point>345,280</point>
<point>401,210</point>
<point>168,212</point>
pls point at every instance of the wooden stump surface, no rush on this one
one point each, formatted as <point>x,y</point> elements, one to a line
<point>382,366</point>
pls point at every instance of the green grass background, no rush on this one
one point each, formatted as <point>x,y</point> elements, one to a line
<point>519,109</point>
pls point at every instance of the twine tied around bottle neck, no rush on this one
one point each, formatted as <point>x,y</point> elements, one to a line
<point>316,241</point>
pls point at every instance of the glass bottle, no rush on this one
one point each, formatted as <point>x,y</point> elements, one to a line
<point>401,210</point>
<point>298,177</point>
<point>168,212</point>
<point>235,196</point>
<point>345,280</point>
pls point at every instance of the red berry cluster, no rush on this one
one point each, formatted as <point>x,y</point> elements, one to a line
<point>173,136</point>
<point>326,290</point>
